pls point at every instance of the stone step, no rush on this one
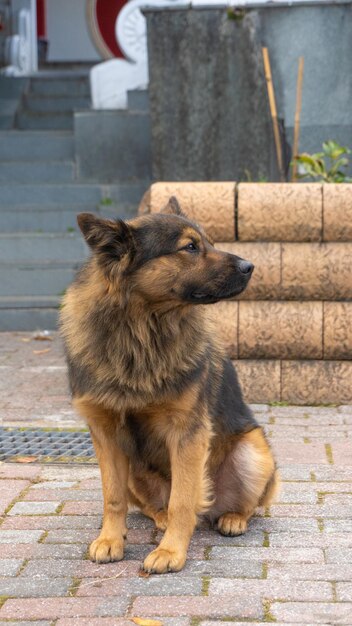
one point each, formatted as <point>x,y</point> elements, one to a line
<point>18,248</point>
<point>28,313</point>
<point>55,104</point>
<point>36,279</point>
<point>57,218</point>
<point>23,172</point>
<point>64,86</point>
<point>138,100</point>
<point>90,195</point>
<point>30,120</point>
<point>34,145</point>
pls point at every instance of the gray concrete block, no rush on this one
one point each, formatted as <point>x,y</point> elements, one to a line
<point>26,279</point>
<point>68,86</point>
<point>90,195</point>
<point>39,103</point>
<point>34,247</point>
<point>37,172</point>
<point>13,87</point>
<point>29,120</point>
<point>58,218</point>
<point>208,100</point>
<point>112,145</point>
<point>36,145</point>
<point>138,100</point>
<point>28,319</point>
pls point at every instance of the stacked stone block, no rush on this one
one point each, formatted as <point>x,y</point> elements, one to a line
<point>290,332</point>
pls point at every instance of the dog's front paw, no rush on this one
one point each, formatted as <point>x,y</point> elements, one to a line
<point>232,524</point>
<point>105,549</point>
<point>161,561</point>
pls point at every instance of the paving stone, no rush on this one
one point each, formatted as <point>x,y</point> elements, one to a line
<point>52,484</point>
<point>82,508</point>
<point>49,568</point>
<point>213,538</point>
<point>31,623</point>
<point>34,508</point>
<point>95,621</point>
<point>42,551</point>
<point>308,510</point>
<point>88,570</point>
<point>10,490</point>
<point>338,525</point>
<point>289,555</point>
<point>52,522</point>
<point>9,567</point>
<point>342,454</point>
<point>300,454</point>
<point>330,571</point>
<point>277,524</point>
<point>322,540</point>
<point>221,606</point>
<point>71,536</point>
<point>11,470</point>
<point>30,588</point>
<point>338,555</point>
<point>63,495</point>
<point>53,608</point>
<point>297,494</point>
<point>313,612</point>
<point>20,536</point>
<point>344,592</point>
<point>273,589</point>
<point>153,586</point>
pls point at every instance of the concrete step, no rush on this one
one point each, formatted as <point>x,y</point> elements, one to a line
<point>57,219</point>
<point>138,100</point>
<point>90,195</point>
<point>19,248</point>
<point>36,279</point>
<point>57,104</point>
<point>37,172</point>
<point>30,120</point>
<point>68,86</point>
<point>13,87</point>
<point>29,313</point>
<point>8,108</point>
<point>34,145</point>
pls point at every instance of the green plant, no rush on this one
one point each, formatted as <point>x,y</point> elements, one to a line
<point>327,165</point>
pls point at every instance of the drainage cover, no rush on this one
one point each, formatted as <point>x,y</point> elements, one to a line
<point>55,446</point>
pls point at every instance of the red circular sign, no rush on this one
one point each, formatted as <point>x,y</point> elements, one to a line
<point>102,15</point>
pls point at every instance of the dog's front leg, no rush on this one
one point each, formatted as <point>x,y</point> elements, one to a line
<point>113,463</point>
<point>188,497</point>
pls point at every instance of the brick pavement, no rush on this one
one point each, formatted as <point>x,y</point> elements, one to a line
<point>292,567</point>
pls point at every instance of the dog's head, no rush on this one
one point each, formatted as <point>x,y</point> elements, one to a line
<point>164,258</point>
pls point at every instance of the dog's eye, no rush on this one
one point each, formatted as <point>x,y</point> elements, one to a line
<point>191,247</point>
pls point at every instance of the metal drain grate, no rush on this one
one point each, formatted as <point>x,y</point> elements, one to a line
<point>56,446</point>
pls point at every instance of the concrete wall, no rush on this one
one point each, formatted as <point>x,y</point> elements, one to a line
<point>210,117</point>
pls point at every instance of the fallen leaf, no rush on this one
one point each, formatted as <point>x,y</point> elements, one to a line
<point>41,351</point>
<point>42,336</point>
<point>26,459</point>
<point>146,622</point>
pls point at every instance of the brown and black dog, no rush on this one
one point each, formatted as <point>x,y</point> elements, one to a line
<point>170,429</point>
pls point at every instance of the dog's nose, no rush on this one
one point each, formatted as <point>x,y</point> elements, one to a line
<point>246,267</point>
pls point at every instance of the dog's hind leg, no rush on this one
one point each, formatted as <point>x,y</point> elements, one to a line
<point>109,546</point>
<point>246,479</point>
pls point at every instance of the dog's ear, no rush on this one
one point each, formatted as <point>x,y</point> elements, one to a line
<point>173,207</point>
<point>111,239</point>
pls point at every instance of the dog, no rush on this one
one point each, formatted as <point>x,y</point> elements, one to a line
<point>170,429</point>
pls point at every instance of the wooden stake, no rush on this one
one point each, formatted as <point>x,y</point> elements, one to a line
<point>272,104</point>
<point>297,116</point>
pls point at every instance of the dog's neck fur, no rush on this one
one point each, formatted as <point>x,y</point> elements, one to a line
<point>137,348</point>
